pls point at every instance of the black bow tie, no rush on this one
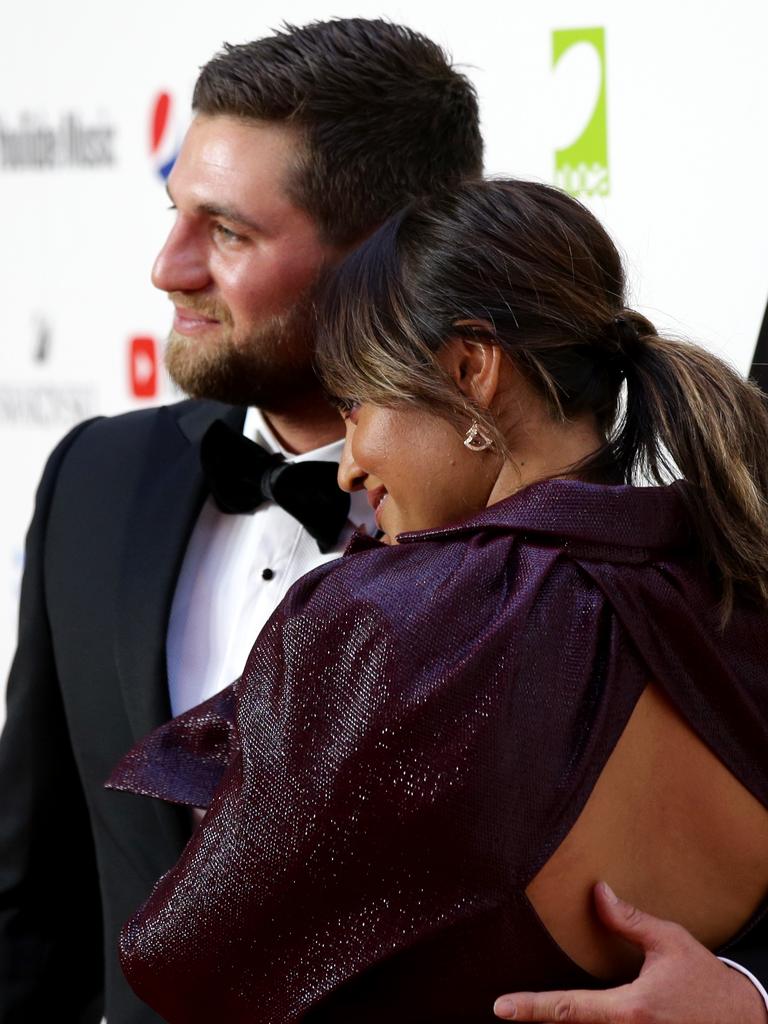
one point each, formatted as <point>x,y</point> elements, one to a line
<point>242,475</point>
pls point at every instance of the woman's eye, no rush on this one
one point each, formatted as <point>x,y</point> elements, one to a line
<point>348,408</point>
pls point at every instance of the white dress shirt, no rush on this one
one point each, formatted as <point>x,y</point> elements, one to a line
<point>236,570</point>
<point>747,974</point>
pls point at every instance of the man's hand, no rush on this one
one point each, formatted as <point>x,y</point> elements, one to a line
<point>681,982</point>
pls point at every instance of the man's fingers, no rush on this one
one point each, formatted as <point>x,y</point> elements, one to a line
<point>578,1006</point>
<point>650,933</point>
<point>680,981</point>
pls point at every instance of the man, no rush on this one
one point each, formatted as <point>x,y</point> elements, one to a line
<point>141,595</point>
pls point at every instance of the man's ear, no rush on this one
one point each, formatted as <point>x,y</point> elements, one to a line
<point>474,364</point>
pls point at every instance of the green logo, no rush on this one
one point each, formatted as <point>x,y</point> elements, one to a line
<point>582,167</point>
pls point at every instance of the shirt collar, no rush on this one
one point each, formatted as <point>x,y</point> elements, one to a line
<point>257,429</point>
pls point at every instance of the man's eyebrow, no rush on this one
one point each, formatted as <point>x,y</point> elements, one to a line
<point>230,213</point>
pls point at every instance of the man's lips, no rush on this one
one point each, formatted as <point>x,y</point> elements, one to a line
<point>189,321</point>
<point>376,500</point>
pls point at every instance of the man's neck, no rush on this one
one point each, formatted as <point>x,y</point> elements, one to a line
<point>309,426</point>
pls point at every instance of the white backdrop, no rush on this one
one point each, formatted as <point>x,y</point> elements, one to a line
<point>683,149</point>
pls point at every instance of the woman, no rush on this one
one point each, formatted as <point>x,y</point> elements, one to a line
<point>552,675</point>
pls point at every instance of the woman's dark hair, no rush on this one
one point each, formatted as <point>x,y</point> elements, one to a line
<point>381,113</point>
<point>539,268</point>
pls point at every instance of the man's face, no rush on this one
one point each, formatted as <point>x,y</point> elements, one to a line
<point>239,266</point>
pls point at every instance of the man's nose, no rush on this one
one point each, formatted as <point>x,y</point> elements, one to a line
<point>351,476</point>
<point>181,265</point>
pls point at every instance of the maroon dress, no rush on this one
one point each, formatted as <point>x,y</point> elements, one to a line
<point>415,732</point>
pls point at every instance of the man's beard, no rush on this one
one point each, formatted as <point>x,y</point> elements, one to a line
<point>270,366</point>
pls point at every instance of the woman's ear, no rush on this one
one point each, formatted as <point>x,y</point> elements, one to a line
<point>473,363</point>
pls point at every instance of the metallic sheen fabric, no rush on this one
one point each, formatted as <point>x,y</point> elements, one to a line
<point>415,732</point>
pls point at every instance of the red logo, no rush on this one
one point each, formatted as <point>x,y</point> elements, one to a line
<point>142,367</point>
<point>164,135</point>
<point>162,109</point>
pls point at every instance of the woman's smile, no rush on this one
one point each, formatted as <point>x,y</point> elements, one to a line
<point>376,498</point>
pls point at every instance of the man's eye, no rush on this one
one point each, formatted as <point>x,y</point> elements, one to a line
<point>227,235</point>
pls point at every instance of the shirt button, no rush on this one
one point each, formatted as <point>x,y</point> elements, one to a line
<point>267,574</point>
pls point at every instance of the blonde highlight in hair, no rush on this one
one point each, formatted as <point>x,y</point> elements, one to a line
<point>539,269</point>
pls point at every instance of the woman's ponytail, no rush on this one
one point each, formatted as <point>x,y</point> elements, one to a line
<point>688,413</point>
<point>539,268</point>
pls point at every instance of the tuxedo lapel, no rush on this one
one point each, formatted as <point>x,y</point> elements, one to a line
<point>168,500</point>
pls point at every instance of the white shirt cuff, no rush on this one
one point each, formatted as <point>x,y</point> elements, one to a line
<point>747,974</point>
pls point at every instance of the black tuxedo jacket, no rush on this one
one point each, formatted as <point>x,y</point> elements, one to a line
<point>115,508</point>
<point>117,502</point>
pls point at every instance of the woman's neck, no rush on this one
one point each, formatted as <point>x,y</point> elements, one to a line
<point>544,449</point>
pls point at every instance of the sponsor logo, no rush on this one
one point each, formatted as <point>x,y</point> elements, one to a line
<point>46,405</point>
<point>164,134</point>
<point>37,144</point>
<point>142,367</point>
<point>581,164</point>
<point>42,340</point>
<point>42,404</point>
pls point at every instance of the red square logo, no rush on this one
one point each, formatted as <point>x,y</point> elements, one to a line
<point>142,369</point>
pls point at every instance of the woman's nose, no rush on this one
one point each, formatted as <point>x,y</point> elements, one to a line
<point>351,476</point>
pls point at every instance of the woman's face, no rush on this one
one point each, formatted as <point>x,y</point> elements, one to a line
<point>415,468</point>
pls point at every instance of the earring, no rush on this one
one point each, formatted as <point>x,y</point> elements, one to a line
<point>476,440</point>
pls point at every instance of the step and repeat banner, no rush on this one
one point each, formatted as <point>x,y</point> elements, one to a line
<point>654,114</point>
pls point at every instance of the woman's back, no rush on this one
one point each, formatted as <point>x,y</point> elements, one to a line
<point>672,829</point>
<point>425,734</point>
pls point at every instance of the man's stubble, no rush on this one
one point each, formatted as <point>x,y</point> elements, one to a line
<point>270,366</point>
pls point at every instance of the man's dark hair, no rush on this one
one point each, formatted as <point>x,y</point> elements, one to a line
<point>382,114</point>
